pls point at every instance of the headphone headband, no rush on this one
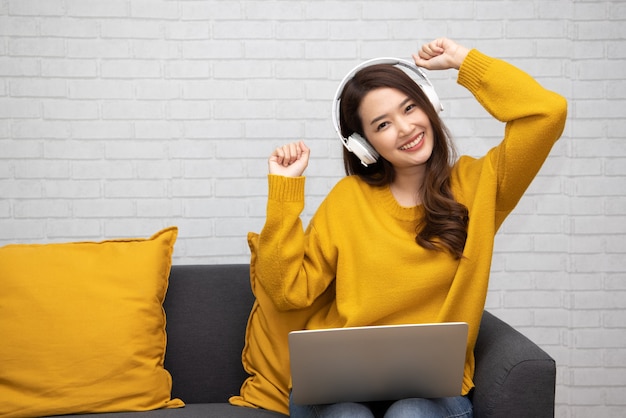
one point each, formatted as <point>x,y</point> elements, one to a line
<point>357,144</point>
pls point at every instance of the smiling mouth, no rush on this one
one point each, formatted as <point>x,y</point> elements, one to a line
<point>413,143</point>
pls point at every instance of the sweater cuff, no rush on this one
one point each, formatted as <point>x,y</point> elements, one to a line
<point>473,69</point>
<point>286,189</point>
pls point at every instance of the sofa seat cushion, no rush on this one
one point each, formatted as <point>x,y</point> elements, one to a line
<point>83,326</point>
<point>199,410</point>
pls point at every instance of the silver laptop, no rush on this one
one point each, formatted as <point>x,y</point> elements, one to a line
<point>377,363</point>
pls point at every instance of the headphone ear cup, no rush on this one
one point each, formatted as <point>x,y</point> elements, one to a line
<point>362,149</point>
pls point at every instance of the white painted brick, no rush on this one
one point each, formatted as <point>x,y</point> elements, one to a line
<point>615,396</point>
<point>199,109</point>
<point>532,299</point>
<point>214,90</point>
<point>103,208</point>
<point>5,209</point>
<point>130,69</point>
<point>587,396</point>
<point>70,189</point>
<point>75,150</point>
<point>242,69</point>
<point>37,129</point>
<point>586,319</point>
<point>600,338</point>
<point>161,129</point>
<point>615,358</point>
<point>100,89</point>
<point>163,209</point>
<point>599,300</point>
<point>240,188</point>
<point>75,68</point>
<point>274,10</point>
<point>130,29</point>
<point>70,109</point>
<point>154,9</point>
<point>360,30</point>
<point>158,169</point>
<point>333,10</point>
<point>218,10</point>
<point>68,28</point>
<point>213,129</point>
<point>213,207</point>
<point>243,30</point>
<point>449,10</point>
<point>302,30</point>
<point>331,50</point>
<point>10,188</point>
<point>552,318</point>
<point>212,49</point>
<point>232,168</point>
<point>21,231</point>
<point>587,244</point>
<point>96,8</point>
<point>97,49</point>
<point>37,88</point>
<point>155,49</point>
<point>157,90</point>
<point>137,110</point>
<point>36,7</point>
<point>39,47</point>
<point>264,49</point>
<point>136,150</point>
<point>102,130</point>
<point>17,26</point>
<point>289,130</point>
<point>135,189</point>
<point>39,208</point>
<point>19,108</point>
<point>554,9</point>
<point>189,188</point>
<point>10,66</point>
<point>187,69</point>
<point>187,30</point>
<point>27,169</point>
<point>598,410</point>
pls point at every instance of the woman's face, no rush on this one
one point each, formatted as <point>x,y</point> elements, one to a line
<point>398,129</point>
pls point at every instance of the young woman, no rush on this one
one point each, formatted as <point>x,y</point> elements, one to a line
<point>409,238</point>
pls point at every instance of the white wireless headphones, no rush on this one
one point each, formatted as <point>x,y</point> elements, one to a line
<point>355,143</point>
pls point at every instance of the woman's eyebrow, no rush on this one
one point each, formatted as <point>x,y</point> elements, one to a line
<point>381,117</point>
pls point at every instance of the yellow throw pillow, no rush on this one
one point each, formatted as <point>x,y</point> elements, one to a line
<point>266,352</point>
<point>83,327</point>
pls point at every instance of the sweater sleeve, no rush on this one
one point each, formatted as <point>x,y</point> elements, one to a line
<point>287,255</point>
<point>534,117</point>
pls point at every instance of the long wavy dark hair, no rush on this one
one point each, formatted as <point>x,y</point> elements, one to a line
<point>444,226</point>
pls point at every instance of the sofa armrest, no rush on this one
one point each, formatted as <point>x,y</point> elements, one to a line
<point>513,376</point>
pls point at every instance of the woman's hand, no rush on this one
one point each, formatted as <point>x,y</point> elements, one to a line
<point>289,160</point>
<point>440,54</point>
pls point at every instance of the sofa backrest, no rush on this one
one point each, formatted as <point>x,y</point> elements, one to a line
<point>207,308</point>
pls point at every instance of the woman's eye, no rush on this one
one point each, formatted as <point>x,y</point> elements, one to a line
<point>382,126</point>
<point>409,107</point>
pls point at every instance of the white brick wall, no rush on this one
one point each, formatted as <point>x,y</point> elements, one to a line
<point>120,117</point>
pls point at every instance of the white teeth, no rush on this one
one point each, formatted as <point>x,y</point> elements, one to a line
<point>413,143</point>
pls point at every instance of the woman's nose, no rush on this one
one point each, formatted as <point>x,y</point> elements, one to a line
<point>404,126</point>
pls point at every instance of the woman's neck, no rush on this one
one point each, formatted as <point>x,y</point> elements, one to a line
<point>407,185</point>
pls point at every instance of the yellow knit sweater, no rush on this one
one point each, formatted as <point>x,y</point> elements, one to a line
<point>362,242</point>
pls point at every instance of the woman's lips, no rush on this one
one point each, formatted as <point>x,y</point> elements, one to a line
<point>414,143</point>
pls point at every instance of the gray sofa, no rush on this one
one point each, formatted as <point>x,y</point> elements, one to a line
<point>207,309</point>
